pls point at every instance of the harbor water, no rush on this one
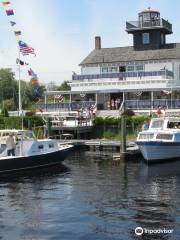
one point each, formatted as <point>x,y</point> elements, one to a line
<point>92,197</point>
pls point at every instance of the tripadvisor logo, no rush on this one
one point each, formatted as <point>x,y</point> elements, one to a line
<point>140,231</point>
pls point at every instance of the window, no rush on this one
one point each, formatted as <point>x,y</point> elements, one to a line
<point>146,136</point>
<point>145,38</point>
<point>113,69</point>
<point>146,17</point>
<point>164,136</point>
<point>104,70</point>
<point>122,68</point>
<point>157,124</point>
<point>40,146</point>
<point>51,145</point>
<point>139,67</point>
<point>130,68</point>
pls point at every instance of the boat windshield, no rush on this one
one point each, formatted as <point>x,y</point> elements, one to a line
<point>28,135</point>
<point>157,123</point>
<point>25,135</point>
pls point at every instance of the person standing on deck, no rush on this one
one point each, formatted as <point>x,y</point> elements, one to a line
<point>10,143</point>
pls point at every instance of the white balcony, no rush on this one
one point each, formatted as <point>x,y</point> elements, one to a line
<point>144,83</point>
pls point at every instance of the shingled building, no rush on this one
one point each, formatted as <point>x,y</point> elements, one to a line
<point>141,76</point>
<point>144,75</point>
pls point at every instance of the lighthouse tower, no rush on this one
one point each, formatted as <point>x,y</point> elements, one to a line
<point>150,31</point>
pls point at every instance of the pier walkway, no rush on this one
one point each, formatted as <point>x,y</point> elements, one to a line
<point>96,143</point>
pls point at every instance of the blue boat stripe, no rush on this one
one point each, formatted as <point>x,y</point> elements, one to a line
<point>153,143</point>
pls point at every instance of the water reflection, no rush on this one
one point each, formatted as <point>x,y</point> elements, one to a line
<point>91,198</point>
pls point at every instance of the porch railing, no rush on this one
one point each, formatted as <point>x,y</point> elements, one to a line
<point>145,104</point>
<point>66,106</point>
<point>122,75</point>
<point>133,104</point>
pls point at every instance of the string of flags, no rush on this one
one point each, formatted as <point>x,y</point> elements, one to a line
<point>58,98</point>
<point>139,93</point>
<point>24,50</point>
<point>167,92</point>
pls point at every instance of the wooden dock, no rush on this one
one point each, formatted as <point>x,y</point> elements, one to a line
<point>101,144</point>
<point>105,145</point>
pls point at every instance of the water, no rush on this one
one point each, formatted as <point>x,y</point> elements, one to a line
<point>91,198</point>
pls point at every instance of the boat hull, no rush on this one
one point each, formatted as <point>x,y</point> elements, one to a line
<point>14,164</point>
<point>153,151</point>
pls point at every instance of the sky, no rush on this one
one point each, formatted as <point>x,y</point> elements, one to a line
<point>62,31</point>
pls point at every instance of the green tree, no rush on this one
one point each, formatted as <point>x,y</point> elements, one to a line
<point>64,86</point>
<point>8,85</point>
<point>28,97</point>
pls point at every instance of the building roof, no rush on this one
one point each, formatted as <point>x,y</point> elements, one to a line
<point>126,54</point>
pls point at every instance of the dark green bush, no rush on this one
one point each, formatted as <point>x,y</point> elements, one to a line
<point>16,122</point>
<point>128,112</point>
<point>135,121</point>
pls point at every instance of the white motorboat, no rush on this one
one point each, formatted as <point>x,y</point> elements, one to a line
<point>161,142</point>
<point>29,152</point>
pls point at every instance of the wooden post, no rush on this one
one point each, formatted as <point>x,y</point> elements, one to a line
<point>123,135</point>
<point>29,124</point>
<point>152,99</point>
<point>49,127</point>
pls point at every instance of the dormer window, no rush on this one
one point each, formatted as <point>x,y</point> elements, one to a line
<point>145,38</point>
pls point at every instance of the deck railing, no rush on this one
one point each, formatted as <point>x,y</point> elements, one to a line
<point>146,104</point>
<point>123,75</point>
<point>133,104</point>
<point>133,25</point>
<point>66,106</point>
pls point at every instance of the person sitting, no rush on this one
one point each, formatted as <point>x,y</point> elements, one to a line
<point>145,126</point>
<point>10,144</point>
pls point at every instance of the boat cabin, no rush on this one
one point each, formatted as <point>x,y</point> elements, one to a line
<point>17,135</point>
<point>165,123</point>
<point>162,129</point>
<point>26,143</point>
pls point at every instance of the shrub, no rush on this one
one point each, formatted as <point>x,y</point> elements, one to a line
<point>128,112</point>
<point>4,112</point>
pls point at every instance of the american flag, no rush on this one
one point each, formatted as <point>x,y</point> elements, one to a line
<point>25,49</point>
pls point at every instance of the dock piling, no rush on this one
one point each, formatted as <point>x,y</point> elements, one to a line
<point>123,135</point>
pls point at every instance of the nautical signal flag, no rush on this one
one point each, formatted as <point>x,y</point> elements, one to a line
<point>32,73</point>
<point>6,3</point>
<point>34,81</point>
<point>25,49</point>
<point>17,33</point>
<point>12,23</point>
<point>18,61</point>
<point>9,12</point>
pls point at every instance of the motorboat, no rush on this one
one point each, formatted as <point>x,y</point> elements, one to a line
<point>29,151</point>
<point>161,141</point>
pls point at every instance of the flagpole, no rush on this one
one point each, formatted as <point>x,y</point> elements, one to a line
<point>19,87</point>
